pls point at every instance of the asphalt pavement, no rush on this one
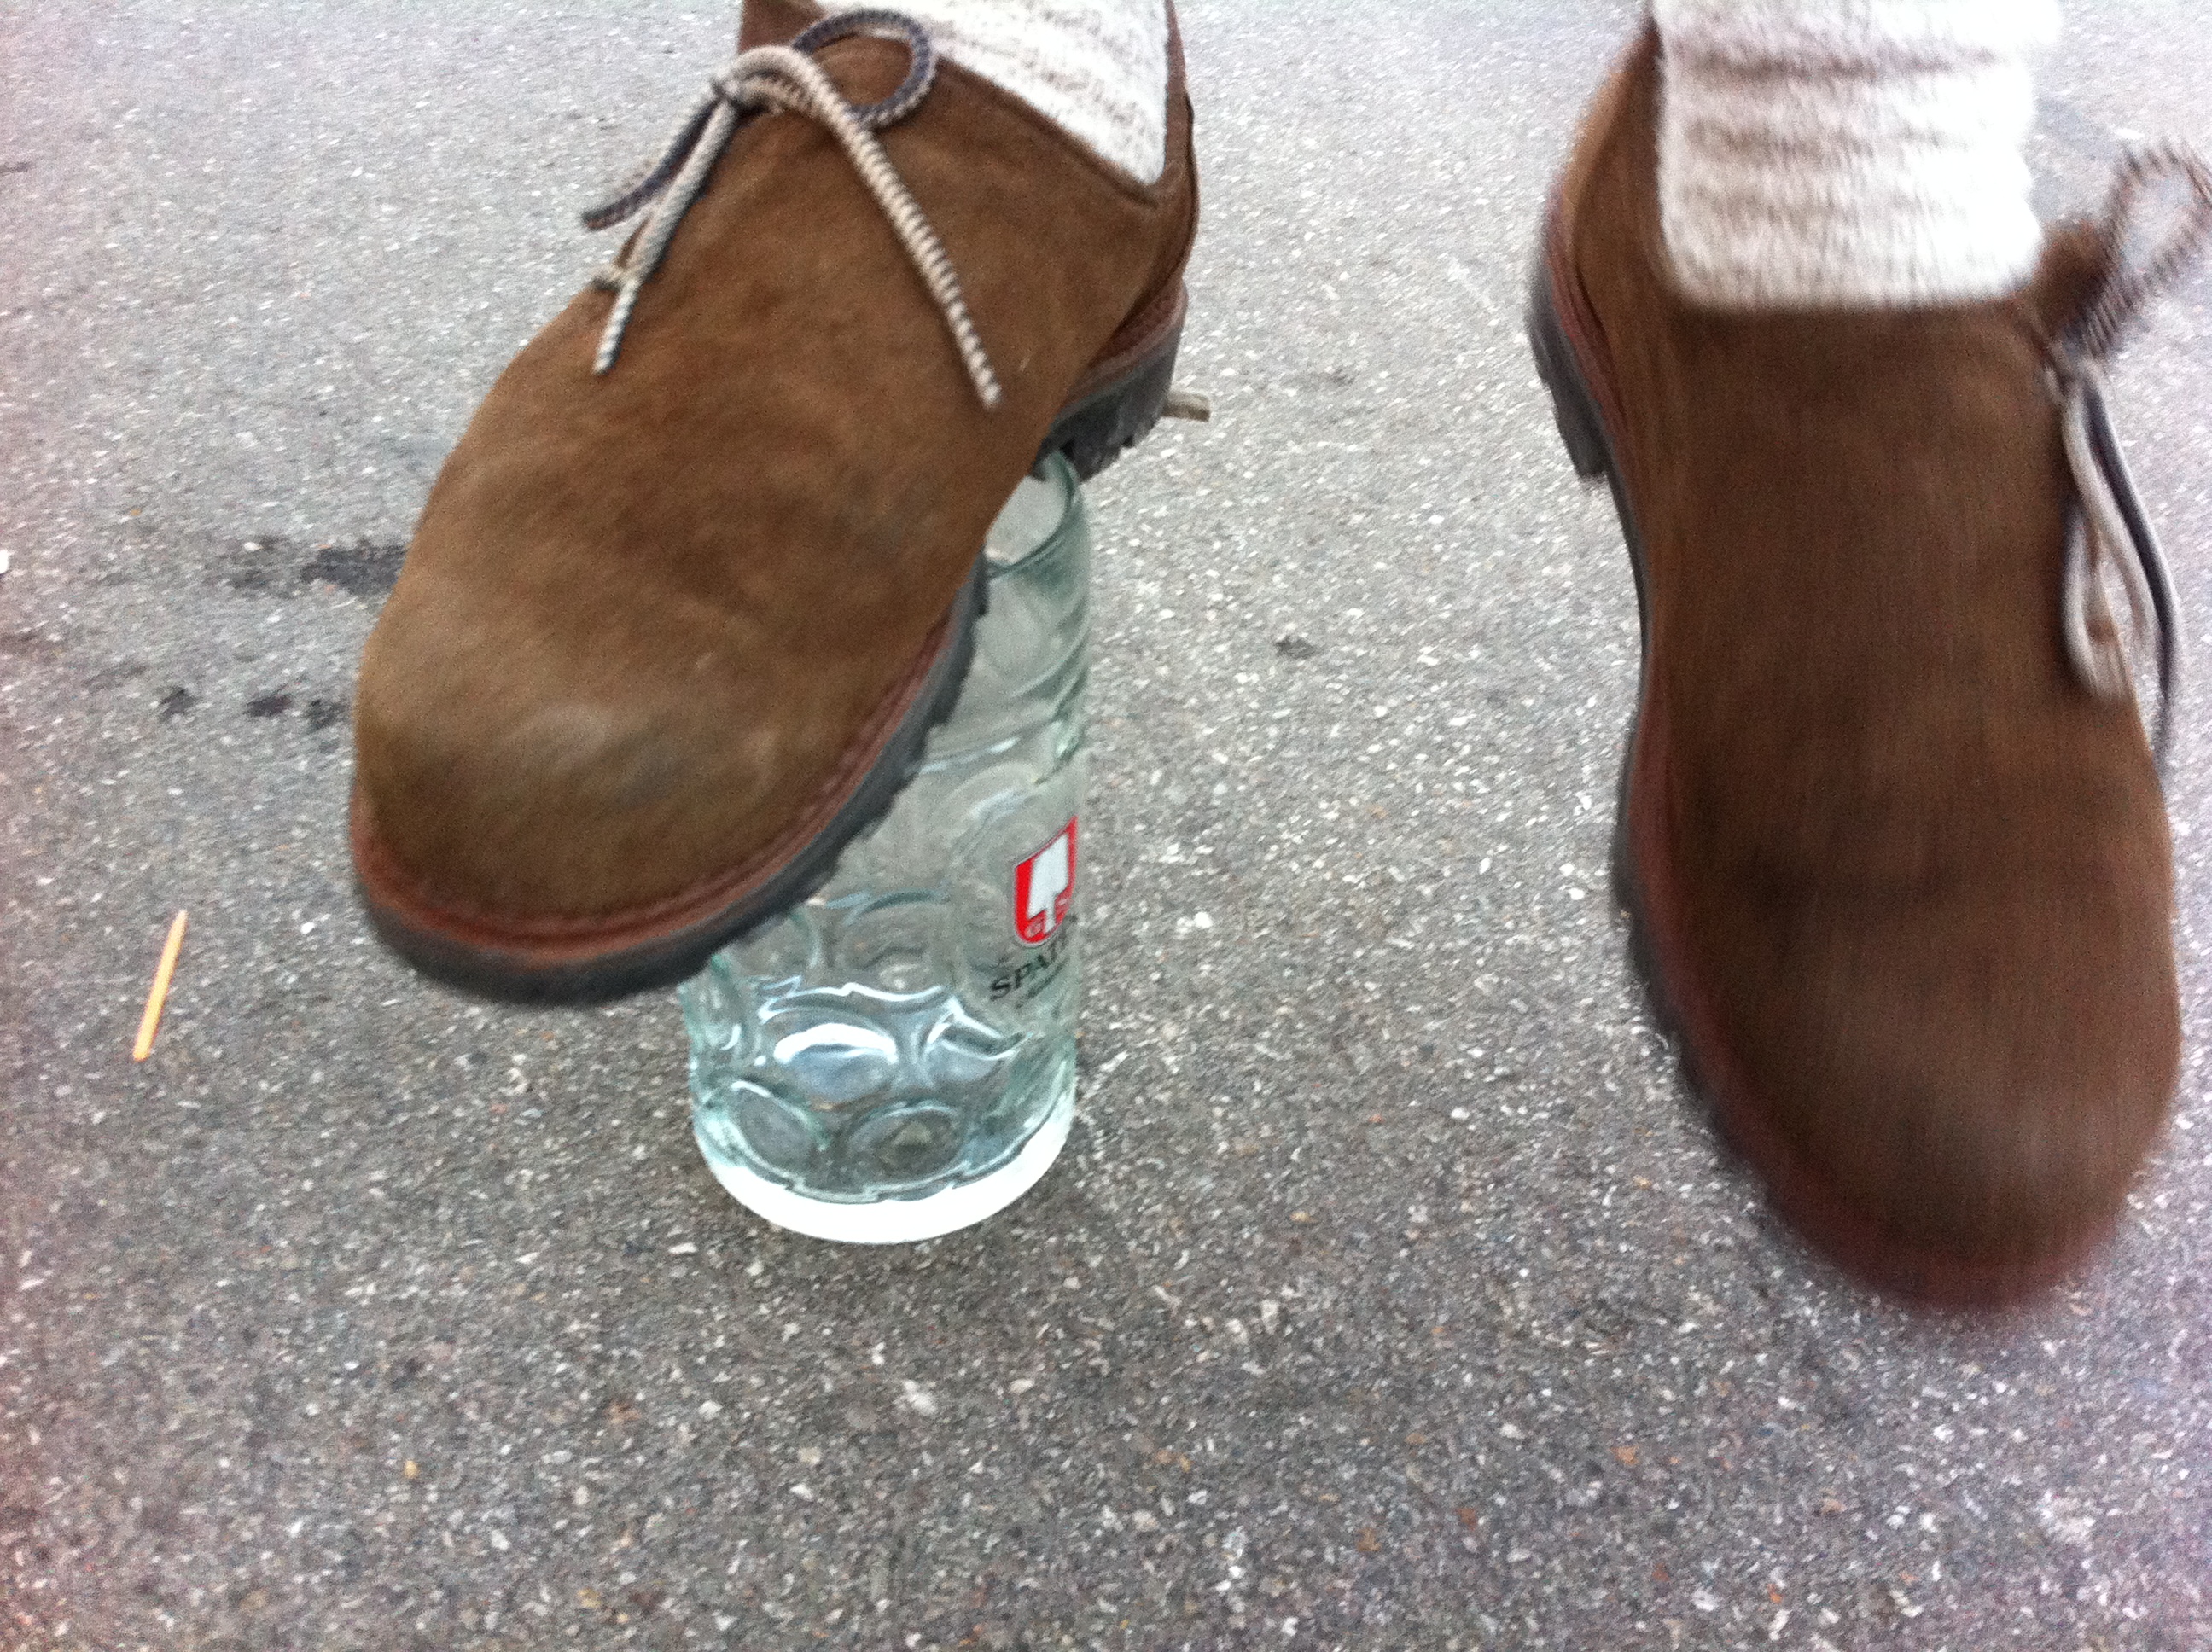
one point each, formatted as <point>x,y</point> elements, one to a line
<point>1393,1292</point>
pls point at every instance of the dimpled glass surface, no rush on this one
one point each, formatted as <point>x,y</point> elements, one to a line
<point>895,1036</point>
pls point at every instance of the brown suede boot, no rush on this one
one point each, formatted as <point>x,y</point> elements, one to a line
<point>700,577</point>
<point>1899,872</point>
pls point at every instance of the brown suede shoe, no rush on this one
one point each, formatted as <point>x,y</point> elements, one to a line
<point>1900,876</point>
<point>700,577</point>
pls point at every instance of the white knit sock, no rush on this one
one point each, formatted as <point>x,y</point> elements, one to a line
<point>1097,69</point>
<point>1848,153</point>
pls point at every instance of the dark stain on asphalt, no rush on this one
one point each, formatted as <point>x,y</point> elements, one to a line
<point>273,566</point>
<point>367,567</point>
<point>29,645</point>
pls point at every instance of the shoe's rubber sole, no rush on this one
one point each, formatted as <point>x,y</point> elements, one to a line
<point>595,962</point>
<point>1099,425</point>
<point>1568,344</point>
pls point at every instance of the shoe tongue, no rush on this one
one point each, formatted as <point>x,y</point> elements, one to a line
<point>774,22</point>
<point>863,67</point>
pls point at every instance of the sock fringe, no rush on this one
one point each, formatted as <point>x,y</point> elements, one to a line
<point>1848,153</point>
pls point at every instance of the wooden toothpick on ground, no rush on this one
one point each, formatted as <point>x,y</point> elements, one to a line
<point>160,995</point>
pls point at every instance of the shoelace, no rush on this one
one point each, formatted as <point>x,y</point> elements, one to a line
<point>788,77</point>
<point>2112,533</point>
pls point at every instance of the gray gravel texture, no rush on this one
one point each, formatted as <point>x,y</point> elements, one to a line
<point>1393,1292</point>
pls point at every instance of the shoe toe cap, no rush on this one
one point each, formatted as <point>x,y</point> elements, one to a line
<point>505,787</point>
<point>1968,1087</point>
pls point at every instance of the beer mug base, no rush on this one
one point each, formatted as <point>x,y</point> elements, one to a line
<point>902,1221</point>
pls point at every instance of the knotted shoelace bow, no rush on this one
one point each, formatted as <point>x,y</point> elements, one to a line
<point>2110,533</point>
<point>787,77</point>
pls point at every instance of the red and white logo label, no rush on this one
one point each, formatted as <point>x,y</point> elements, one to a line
<point>1045,888</point>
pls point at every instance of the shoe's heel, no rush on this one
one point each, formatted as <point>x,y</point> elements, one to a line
<point>1096,431</point>
<point>1572,410</point>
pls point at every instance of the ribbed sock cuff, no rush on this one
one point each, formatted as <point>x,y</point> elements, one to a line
<point>1097,69</point>
<point>1848,153</point>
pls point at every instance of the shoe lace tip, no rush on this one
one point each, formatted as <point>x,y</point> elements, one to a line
<point>1192,404</point>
